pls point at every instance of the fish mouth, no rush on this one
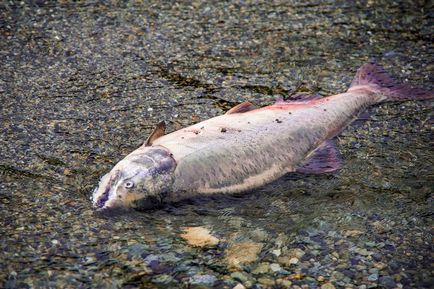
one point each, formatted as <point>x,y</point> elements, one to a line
<point>100,203</point>
<point>104,197</point>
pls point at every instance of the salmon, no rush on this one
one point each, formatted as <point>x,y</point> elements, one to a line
<point>247,147</point>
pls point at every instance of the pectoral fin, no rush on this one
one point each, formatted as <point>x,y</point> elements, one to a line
<point>242,107</point>
<point>156,133</point>
<point>325,159</point>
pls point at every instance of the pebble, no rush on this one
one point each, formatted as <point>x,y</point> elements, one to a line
<point>266,281</point>
<point>363,252</point>
<point>327,286</point>
<point>239,286</point>
<point>275,267</point>
<point>162,279</point>
<point>373,277</point>
<point>207,280</point>
<point>239,276</point>
<point>262,268</point>
<point>387,282</point>
<point>377,257</point>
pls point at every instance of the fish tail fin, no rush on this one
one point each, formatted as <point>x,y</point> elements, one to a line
<point>373,77</point>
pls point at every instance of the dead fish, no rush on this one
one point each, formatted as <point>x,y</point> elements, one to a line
<point>245,148</point>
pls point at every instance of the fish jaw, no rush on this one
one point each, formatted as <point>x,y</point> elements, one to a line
<point>140,181</point>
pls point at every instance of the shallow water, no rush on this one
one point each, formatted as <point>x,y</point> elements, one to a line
<point>82,85</point>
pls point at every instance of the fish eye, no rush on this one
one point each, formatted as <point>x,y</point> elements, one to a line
<point>129,184</point>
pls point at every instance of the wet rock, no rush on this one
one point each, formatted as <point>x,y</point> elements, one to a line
<point>353,233</point>
<point>377,257</point>
<point>207,280</point>
<point>199,237</point>
<point>239,276</point>
<point>327,286</point>
<point>162,279</point>
<point>363,252</point>
<point>137,250</point>
<point>239,286</point>
<point>242,253</point>
<point>291,257</point>
<point>262,268</point>
<point>373,277</point>
<point>275,267</point>
<point>266,281</point>
<point>285,283</point>
<point>387,282</point>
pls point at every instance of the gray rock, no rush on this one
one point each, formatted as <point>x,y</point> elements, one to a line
<point>162,279</point>
<point>373,277</point>
<point>207,280</point>
<point>239,276</point>
<point>387,282</point>
<point>136,250</point>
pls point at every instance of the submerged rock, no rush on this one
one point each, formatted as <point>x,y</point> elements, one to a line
<point>242,253</point>
<point>199,237</point>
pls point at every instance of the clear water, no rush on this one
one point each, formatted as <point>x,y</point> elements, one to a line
<point>82,85</point>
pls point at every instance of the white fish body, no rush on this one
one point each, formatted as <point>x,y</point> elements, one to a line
<point>246,147</point>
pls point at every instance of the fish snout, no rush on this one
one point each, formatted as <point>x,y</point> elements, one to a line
<point>102,193</point>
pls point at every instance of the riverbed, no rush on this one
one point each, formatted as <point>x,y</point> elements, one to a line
<point>83,84</point>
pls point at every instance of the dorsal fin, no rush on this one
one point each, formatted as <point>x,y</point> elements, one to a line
<point>156,133</point>
<point>242,107</point>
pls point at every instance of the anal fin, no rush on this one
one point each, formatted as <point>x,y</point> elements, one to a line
<point>326,158</point>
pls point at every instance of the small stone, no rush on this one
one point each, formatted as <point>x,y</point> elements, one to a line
<point>291,257</point>
<point>373,271</point>
<point>283,283</point>
<point>373,277</point>
<point>207,280</point>
<point>239,286</point>
<point>242,253</point>
<point>327,286</point>
<point>387,282</point>
<point>275,267</point>
<point>266,281</point>
<point>380,265</point>
<point>239,276</point>
<point>353,233</point>
<point>136,250</point>
<point>259,235</point>
<point>262,268</point>
<point>199,237</point>
<point>377,257</point>
<point>363,252</point>
<point>162,279</point>
<point>277,252</point>
<point>320,278</point>
<point>293,260</point>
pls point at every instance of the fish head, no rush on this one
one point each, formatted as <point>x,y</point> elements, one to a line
<point>140,181</point>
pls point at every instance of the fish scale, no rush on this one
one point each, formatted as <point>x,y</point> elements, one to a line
<point>257,146</point>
